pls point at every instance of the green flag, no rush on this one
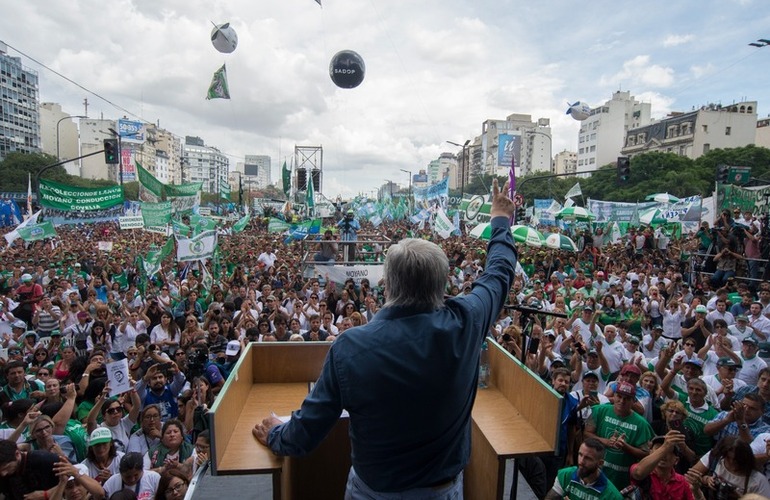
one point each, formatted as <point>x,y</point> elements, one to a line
<point>286,173</point>
<point>241,224</point>
<point>310,193</point>
<point>200,224</point>
<point>277,226</point>
<point>156,214</point>
<point>224,190</point>
<point>35,232</point>
<point>180,228</point>
<point>219,88</point>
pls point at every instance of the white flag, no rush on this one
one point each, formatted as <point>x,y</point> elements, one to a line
<point>574,191</point>
<point>569,203</point>
<point>15,233</point>
<point>442,225</point>
<point>197,248</point>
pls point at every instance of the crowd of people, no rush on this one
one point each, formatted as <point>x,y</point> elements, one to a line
<point>660,368</point>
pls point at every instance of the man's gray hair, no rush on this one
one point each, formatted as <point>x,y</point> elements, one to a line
<point>415,274</point>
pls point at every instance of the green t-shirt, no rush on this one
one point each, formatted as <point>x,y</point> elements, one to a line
<point>572,487</point>
<point>695,422</point>
<point>636,432</point>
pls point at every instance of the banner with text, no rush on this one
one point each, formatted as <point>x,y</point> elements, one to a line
<point>156,214</point>
<point>339,274</point>
<point>64,197</point>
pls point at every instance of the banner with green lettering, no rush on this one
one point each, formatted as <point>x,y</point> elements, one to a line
<point>64,197</point>
<point>729,197</point>
<point>190,189</point>
<point>156,214</point>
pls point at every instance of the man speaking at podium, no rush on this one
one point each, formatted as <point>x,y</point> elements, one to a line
<point>408,378</point>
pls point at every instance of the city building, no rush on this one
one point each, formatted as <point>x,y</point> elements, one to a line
<point>763,133</point>
<point>528,141</point>
<point>168,156</point>
<point>695,133</point>
<point>93,132</point>
<point>59,135</point>
<point>19,113</point>
<point>206,164</point>
<point>443,166</point>
<point>256,171</point>
<point>602,135</point>
<point>565,162</point>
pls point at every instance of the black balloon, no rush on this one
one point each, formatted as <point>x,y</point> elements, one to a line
<point>347,69</point>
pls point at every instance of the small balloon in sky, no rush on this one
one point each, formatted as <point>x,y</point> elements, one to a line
<point>579,111</point>
<point>347,69</point>
<point>224,38</point>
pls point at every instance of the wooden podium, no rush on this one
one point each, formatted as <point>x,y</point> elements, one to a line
<point>518,415</point>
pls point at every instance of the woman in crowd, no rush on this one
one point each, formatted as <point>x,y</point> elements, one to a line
<point>43,438</point>
<point>62,368</point>
<point>728,471</point>
<point>172,451</point>
<point>166,334</point>
<point>148,434</point>
<point>39,360</point>
<point>173,485</point>
<point>103,458</point>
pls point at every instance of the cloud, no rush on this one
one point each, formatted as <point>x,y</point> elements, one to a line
<point>700,71</point>
<point>674,40</point>
<point>638,72</point>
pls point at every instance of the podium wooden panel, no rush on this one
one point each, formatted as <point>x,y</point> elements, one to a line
<point>518,415</point>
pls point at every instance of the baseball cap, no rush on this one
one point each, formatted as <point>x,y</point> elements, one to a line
<point>26,277</point>
<point>56,333</point>
<point>83,315</point>
<point>632,339</point>
<point>741,317</point>
<point>599,273</point>
<point>626,389</point>
<point>726,361</point>
<point>750,340</point>
<point>19,323</point>
<point>592,352</point>
<point>657,327</point>
<point>701,309</point>
<point>587,374</point>
<point>630,369</point>
<point>233,348</point>
<point>557,359</point>
<point>100,435</point>
<point>695,361</point>
<point>588,308</point>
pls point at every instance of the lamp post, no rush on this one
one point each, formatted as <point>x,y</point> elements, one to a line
<point>58,157</point>
<point>464,164</point>
<point>240,188</point>
<point>410,186</point>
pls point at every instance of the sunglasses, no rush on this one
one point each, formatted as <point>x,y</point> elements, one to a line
<point>114,410</point>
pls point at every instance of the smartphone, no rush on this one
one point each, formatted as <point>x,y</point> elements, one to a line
<point>534,344</point>
<point>594,394</point>
<point>676,425</point>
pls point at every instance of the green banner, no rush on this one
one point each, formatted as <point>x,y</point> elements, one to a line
<point>224,191</point>
<point>286,175</point>
<point>64,197</point>
<point>190,189</point>
<point>729,197</point>
<point>200,224</point>
<point>35,232</point>
<point>156,214</point>
<point>277,226</point>
<point>149,182</point>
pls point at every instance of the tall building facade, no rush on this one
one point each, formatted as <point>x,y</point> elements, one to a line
<point>602,135</point>
<point>168,156</point>
<point>256,171</point>
<point>697,132</point>
<point>528,141</point>
<point>59,135</point>
<point>93,132</point>
<point>206,164</point>
<point>19,106</point>
<point>565,162</point>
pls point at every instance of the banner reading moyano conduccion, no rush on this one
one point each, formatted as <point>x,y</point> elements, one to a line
<point>64,197</point>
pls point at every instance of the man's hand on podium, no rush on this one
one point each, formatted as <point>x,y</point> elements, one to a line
<point>261,431</point>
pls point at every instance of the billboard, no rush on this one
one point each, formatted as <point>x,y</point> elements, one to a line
<point>420,178</point>
<point>508,146</point>
<point>127,162</point>
<point>130,131</point>
<point>250,169</point>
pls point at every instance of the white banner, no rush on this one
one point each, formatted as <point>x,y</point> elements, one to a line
<point>15,233</point>
<point>442,225</point>
<point>105,246</point>
<point>339,274</point>
<point>164,230</point>
<point>131,222</point>
<point>197,248</point>
<point>574,191</point>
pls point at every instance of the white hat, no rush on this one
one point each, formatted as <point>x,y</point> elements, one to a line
<point>26,277</point>
<point>233,348</point>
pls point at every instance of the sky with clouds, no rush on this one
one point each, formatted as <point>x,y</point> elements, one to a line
<point>435,69</point>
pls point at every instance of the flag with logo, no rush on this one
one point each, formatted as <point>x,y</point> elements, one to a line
<point>36,232</point>
<point>286,177</point>
<point>442,224</point>
<point>196,248</point>
<point>201,224</point>
<point>32,220</point>
<point>219,88</point>
<point>574,191</point>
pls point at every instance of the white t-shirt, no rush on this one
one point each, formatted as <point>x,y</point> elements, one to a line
<point>757,481</point>
<point>145,489</point>
<point>93,470</point>
<point>121,432</point>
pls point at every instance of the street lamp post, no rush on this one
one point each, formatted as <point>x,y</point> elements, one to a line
<point>58,156</point>
<point>410,187</point>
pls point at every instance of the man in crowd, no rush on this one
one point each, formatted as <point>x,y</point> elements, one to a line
<point>586,480</point>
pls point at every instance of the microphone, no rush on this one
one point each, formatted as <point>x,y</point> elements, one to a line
<point>534,310</point>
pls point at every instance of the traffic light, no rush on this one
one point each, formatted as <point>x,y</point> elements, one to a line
<point>624,169</point>
<point>722,173</point>
<point>521,214</point>
<point>111,152</point>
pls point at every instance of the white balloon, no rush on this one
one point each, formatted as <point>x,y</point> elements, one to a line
<point>224,38</point>
<point>579,111</point>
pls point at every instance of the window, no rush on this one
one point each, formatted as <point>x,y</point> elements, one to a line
<point>705,128</point>
<point>728,130</point>
<point>706,148</point>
